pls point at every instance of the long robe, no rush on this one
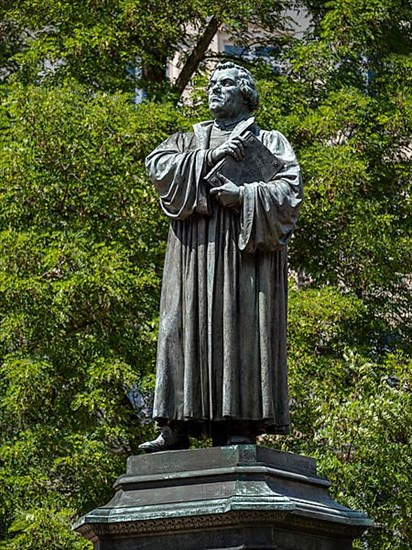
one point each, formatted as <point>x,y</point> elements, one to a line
<point>222,335</point>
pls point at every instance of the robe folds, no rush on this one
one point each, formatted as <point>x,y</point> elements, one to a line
<point>222,336</point>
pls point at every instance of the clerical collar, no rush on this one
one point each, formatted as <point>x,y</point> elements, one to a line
<point>230,124</point>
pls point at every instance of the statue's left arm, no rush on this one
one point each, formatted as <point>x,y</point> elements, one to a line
<point>270,210</point>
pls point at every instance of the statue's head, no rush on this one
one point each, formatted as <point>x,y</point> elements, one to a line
<point>231,91</point>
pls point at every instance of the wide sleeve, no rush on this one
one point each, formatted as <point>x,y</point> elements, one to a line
<point>177,172</point>
<point>270,210</point>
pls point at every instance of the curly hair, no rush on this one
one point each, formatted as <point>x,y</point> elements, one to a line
<point>247,84</point>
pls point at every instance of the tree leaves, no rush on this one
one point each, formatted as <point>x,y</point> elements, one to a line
<point>82,245</point>
<point>81,242</point>
<point>347,112</point>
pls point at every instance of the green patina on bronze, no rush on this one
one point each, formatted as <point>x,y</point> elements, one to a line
<point>235,494</point>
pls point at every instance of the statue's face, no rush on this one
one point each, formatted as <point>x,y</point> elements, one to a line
<point>225,98</point>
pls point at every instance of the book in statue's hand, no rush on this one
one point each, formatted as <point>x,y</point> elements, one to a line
<point>258,164</point>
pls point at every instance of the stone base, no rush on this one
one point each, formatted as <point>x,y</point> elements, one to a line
<point>222,498</point>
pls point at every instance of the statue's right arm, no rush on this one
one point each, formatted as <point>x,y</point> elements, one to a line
<point>177,169</point>
<point>163,161</point>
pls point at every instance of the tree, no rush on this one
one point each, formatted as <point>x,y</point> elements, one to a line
<point>96,41</point>
<point>346,105</point>
<point>81,241</point>
<point>82,247</point>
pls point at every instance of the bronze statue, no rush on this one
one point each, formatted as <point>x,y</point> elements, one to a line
<point>221,360</point>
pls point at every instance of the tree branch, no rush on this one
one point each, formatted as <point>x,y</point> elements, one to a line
<point>197,55</point>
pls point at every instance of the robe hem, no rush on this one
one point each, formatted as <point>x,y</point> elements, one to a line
<point>260,426</point>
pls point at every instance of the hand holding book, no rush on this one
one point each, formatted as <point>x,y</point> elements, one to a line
<point>235,147</point>
<point>244,159</point>
<point>228,193</point>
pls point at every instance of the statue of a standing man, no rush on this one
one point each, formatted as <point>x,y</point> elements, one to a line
<point>221,360</point>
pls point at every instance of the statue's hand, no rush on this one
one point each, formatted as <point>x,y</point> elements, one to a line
<point>235,147</point>
<point>228,194</point>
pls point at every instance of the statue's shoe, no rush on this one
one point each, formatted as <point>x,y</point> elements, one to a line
<point>168,440</point>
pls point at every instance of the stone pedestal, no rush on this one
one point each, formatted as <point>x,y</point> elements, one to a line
<point>233,498</point>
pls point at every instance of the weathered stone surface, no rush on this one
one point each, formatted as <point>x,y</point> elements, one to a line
<point>234,497</point>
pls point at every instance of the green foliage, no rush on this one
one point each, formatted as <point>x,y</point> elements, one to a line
<point>44,528</point>
<point>322,323</point>
<point>351,123</point>
<point>351,413</point>
<point>82,244</point>
<point>99,43</point>
<point>364,442</point>
<point>346,105</point>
